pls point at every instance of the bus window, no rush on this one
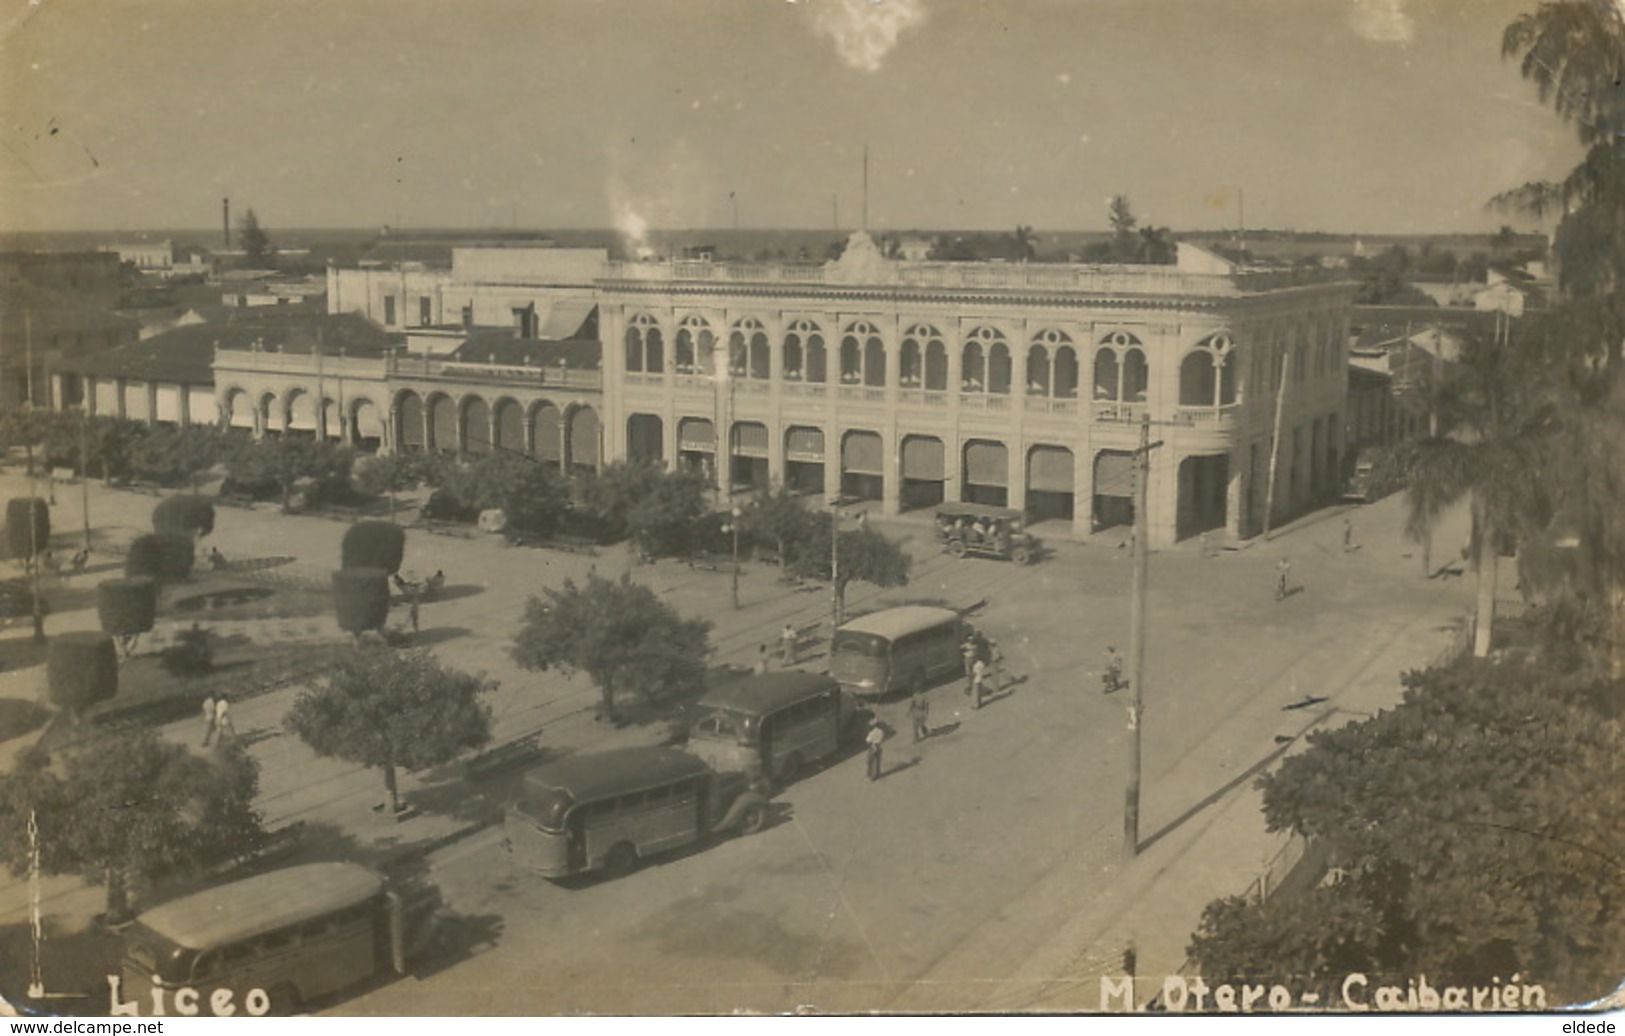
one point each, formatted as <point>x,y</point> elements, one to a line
<point>864,644</point>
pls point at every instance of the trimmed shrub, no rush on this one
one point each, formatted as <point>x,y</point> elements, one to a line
<point>192,654</point>
<point>81,669</point>
<point>361,599</point>
<point>20,541</point>
<point>166,557</point>
<point>127,607</point>
<point>184,515</point>
<point>374,545</point>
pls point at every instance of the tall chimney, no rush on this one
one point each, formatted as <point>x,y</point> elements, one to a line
<point>225,219</point>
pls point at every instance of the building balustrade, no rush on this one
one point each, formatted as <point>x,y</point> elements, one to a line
<point>1047,404</point>
<point>805,388</point>
<point>863,393</point>
<point>508,374</point>
<point>1121,413</point>
<point>269,360</point>
<point>1221,418</point>
<point>984,401</point>
<point>1057,277</point>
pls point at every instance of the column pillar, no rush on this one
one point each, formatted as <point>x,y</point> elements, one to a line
<point>953,456</point>
<point>1083,488</point>
<point>184,404</point>
<point>891,482</point>
<point>832,461</point>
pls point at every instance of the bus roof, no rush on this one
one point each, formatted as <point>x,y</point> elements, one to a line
<point>897,622</point>
<point>598,774</point>
<point>765,692</point>
<point>263,903</point>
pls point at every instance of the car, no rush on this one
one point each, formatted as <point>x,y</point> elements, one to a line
<point>985,531</point>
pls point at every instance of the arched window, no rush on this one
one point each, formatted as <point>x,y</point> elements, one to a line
<point>684,357</point>
<point>909,364</point>
<point>863,355</point>
<point>998,368</point>
<point>986,361</point>
<point>1041,376</point>
<point>643,344</point>
<point>1207,375</point>
<point>1065,379</point>
<point>798,352</point>
<point>1037,370</point>
<point>936,366</point>
<point>1106,370</point>
<point>1136,376</point>
<point>634,350</point>
<point>760,365</point>
<point>694,342</point>
<point>817,360</point>
<point>973,372</point>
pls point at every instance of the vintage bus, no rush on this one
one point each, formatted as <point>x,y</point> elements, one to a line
<point>269,943</point>
<point>609,810</point>
<point>898,649</point>
<point>770,723</point>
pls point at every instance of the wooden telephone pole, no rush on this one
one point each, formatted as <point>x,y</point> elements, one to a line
<point>1136,637</point>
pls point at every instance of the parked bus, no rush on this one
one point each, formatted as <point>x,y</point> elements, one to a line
<point>608,810</point>
<point>772,723</point>
<point>269,943</point>
<point>907,649</point>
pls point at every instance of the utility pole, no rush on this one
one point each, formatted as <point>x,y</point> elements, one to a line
<point>1136,638</point>
<point>1275,439</point>
<point>34,561</point>
<point>834,566</point>
<point>84,467</point>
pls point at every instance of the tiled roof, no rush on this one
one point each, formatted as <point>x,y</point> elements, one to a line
<point>502,347</point>
<point>187,353</point>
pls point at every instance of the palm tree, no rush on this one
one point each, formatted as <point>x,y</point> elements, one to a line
<point>1574,53</point>
<point>1495,455</point>
<point>1023,244</point>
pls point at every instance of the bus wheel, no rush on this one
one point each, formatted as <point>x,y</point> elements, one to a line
<point>791,767</point>
<point>956,548</point>
<point>753,819</point>
<point>284,1001</point>
<point>622,860</point>
<point>1021,555</point>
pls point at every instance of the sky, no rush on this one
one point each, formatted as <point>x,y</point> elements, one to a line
<point>1376,116</point>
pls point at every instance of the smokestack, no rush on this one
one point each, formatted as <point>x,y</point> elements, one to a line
<point>225,219</point>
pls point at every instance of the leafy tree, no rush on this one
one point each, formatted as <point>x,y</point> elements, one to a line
<point>373,544</point>
<point>173,456</point>
<point>384,708</point>
<point>781,520</point>
<point>1023,244</point>
<point>276,464</point>
<point>1495,456</point>
<point>127,608</point>
<point>129,807</point>
<point>257,248</point>
<point>864,555</point>
<point>1156,245</point>
<point>620,634</point>
<point>361,599</point>
<point>1474,831</point>
<point>185,515</point>
<point>389,474</point>
<point>533,495</point>
<point>1123,222</point>
<point>657,508</point>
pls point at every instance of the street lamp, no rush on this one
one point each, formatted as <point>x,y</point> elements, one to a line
<point>733,527</point>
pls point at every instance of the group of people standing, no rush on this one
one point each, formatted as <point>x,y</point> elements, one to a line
<point>217,723</point>
<point>984,675</point>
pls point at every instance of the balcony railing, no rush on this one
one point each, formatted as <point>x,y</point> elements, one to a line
<point>984,401</point>
<point>271,360</point>
<point>504,373</point>
<point>1049,405</point>
<point>1220,418</point>
<point>806,388</point>
<point>1056,277</point>
<point>1121,413</point>
<point>863,393</point>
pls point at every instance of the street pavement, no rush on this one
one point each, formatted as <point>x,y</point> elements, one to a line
<point>984,872</point>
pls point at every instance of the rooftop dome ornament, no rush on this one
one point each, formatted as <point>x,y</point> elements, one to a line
<point>861,262</point>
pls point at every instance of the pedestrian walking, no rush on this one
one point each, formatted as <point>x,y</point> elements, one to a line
<point>1348,536</point>
<point>919,711</point>
<point>1112,678</point>
<point>978,681</point>
<point>875,738</point>
<point>412,614</point>
<point>222,720</point>
<point>995,659</point>
<point>208,718</point>
<point>1283,569</point>
<point>969,651</point>
<point>761,660</point>
<point>789,644</point>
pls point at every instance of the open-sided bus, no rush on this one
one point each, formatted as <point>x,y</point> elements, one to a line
<point>898,649</point>
<point>608,810</point>
<point>994,532</point>
<point>770,723</point>
<point>268,943</point>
